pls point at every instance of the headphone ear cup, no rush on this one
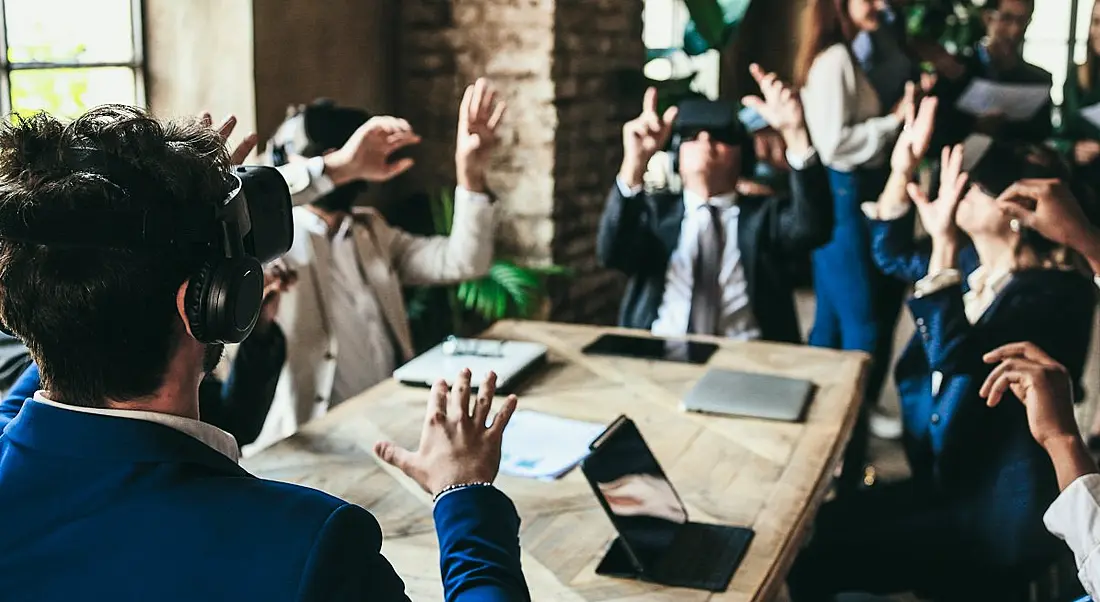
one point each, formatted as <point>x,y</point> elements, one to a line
<point>223,300</point>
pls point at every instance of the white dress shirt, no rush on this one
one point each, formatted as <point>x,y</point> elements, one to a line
<point>674,315</point>
<point>366,353</point>
<point>1075,518</point>
<point>208,434</point>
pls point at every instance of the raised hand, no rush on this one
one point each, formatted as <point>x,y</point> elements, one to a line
<point>456,447</point>
<point>939,217</point>
<point>915,137</point>
<point>239,153</point>
<point>278,279</point>
<point>366,155</point>
<point>780,106</point>
<point>643,137</point>
<point>479,115</point>
<point>1042,384</point>
<point>907,104</point>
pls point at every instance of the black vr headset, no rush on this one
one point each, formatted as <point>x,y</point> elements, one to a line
<point>250,227</point>
<point>718,119</point>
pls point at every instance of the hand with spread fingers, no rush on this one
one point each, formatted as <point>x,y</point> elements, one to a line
<point>479,116</point>
<point>367,154</point>
<point>239,153</point>
<point>1040,383</point>
<point>781,107</point>
<point>456,447</point>
<point>643,137</point>
<point>938,217</point>
<point>915,138</point>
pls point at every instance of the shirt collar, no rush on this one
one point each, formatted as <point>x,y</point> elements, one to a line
<point>315,224</point>
<point>693,201</point>
<point>212,436</point>
<point>985,281</point>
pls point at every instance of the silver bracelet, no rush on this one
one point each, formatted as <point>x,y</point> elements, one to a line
<point>457,486</point>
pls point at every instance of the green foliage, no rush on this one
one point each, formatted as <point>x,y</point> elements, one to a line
<point>957,24</point>
<point>713,24</point>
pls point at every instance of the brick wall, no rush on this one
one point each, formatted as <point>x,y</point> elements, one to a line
<point>559,64</point>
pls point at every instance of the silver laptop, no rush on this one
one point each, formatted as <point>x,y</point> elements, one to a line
<point>730,393</point>
<point>511,360</point>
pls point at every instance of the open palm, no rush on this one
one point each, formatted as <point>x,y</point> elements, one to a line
<point>478,118</point>
<point>938,217</point>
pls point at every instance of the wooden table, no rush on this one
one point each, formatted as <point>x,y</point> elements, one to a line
<point>768,475</point>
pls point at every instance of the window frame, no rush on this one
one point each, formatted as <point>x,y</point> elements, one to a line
<point>136,65</point>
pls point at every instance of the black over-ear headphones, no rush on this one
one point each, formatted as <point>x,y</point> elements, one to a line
<point>253,225</point>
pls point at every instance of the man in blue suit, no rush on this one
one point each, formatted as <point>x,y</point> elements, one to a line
<point>113,487</point>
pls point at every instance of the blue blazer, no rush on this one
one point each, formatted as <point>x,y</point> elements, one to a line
<point>995,481</point>
<point>107,508</point>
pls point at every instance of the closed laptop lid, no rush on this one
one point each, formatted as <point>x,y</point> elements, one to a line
<point>732,393</point>
<point>509,359</point>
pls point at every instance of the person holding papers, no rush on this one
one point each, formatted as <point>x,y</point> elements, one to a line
<point>997,59</point>
<point>1079,134</point>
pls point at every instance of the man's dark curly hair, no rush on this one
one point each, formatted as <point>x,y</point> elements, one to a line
<point>102,323</point>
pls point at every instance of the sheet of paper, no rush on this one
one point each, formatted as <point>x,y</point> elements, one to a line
<point>541,446</point>
<point>1092,114</point>
<point>1018,102</point>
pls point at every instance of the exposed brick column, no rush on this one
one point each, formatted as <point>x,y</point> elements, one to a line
<point>559,64</point>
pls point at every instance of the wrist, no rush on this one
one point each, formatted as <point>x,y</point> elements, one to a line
<point>1086,241</point>
<point>797,140</point>
<point>945,248</point>
<point>632,173</point>
<point>472,182</point>
<point>337,169</point>
<point>1061,444</point>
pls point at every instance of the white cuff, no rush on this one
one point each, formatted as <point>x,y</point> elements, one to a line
<point>625,190</point>
<point>798,163</point>
<point>1075,518</point>
<point>1096,279</point>
<point>884,213</point>
<point>467,196</point>
<point>934,283</point>
<point>317,178</point>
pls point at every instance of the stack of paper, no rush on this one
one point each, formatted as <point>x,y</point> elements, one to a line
<point>541,446</point>
<point>1017,102</point>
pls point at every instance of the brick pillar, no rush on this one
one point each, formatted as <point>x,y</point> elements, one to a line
<point>558,63</point>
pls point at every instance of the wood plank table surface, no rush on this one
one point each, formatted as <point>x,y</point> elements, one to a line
<point>769,476</point>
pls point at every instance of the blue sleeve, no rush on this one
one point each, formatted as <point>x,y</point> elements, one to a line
<point>942,326</point>
<point>894,250</point>
<point>24,388</point>
<point>479,554</point>
<point>346,563</point>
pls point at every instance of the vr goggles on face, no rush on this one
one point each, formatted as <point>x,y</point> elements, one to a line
<point>722,123</point>
<point>252,226</point>
<point>994,166</point>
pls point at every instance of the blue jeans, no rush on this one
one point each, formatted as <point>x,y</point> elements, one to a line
<point>857,305</point>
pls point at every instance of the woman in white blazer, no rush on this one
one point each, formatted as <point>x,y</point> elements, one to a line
<point>853,133</point>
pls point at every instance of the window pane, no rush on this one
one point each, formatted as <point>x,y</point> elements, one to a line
<point>70,92</point>
<point>69,30</point>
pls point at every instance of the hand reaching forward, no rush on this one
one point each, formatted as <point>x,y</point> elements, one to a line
<point>456,447</point>
<point>479,116</point>
<point>278,279</point>
<point>1042,384</point>
<point>239,153</point>
<point>643,137</point>
<point>938,217</point>
<point>366,155</point>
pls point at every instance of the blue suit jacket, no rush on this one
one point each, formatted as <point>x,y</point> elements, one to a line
<point>995,480</point>
<point>107,508</point>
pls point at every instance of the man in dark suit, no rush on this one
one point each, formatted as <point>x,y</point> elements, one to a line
<point>116,489</point>
<point>708,260</point>
<point>998,58</point>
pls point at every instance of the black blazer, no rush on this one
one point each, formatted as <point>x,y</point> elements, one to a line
<point>638,235</point>
<point>953,126</point>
